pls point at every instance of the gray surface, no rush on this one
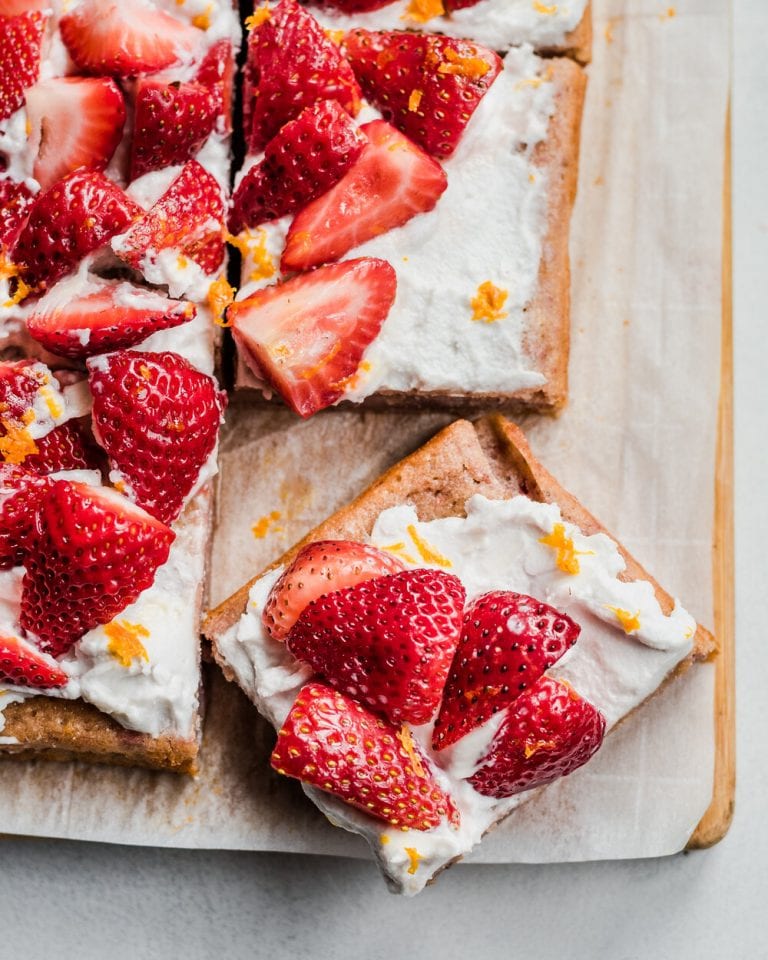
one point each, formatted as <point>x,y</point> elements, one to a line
<point>61,900</point>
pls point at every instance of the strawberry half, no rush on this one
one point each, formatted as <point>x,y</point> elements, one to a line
<point>110,317</point>
<point>66,447</point>
<point>389,642</point>
<point>391,182</point>
<point>217,72</point>
<point>15,200</point>
<point>427,86</point>
<point>507,642</point>
<point>319,568</point>
<point>305,159</point>
<point>20,493</point>
<point>188,217</point>
<point>21,39</point>
<point>171,123</point>
<point>291,64</point>
<point>122,38</point>
<point>75,122</point>
<point>69,220</point>
<point>158,419</point>
<point>333,743</point>
<point>23,666</point>
<point>306,337</point>
<point>91,554</point>
<point>549,732</point>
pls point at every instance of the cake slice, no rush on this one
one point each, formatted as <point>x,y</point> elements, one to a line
<point>457,169</point>
<point>474,513</point>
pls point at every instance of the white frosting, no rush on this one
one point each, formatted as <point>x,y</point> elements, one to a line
<point>487,226</point>
<point>496,546</point>
<point>498,24</point>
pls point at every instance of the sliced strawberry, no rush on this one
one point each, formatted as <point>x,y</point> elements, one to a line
<point>547,733</point>
<point>307,337</point>
<point>319,568</point>
<point>189,218</point>
<point>391,182</point>
<point>12,8</point>
<point>91,554</point>
<point>305,159</point>
<point>507,642</point>
<point>354,6</point>
<point>291,64</point>
<point>21,38</point>
<point>389,642</point>
<point>110,316</point>
<point>75,122</point>
<point>122,38</point>
<point>427,86</point>
<point>217,72</point>
<point>158,420</point>
<point>20,493</point>
<point>69,220</point>
<point>15,200</point>
<point>172,122</point>
<point>333,743</point>
<point>23,666</point>
<point>66,447</point>
<point>459,4</point>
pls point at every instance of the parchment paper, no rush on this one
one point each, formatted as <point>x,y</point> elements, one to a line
<point>636,444</point>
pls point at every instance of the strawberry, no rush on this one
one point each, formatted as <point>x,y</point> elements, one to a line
<point>427,86</point>
<point>217,72</point>
<point>20,493</point>
<point>15,201</point>
<point>91,554</point>
<point>507,642</point>
<point>12,8</point>
<point>172,122</point>
<point>388,642</point>
<point>21,38</point>
<point>547,733</point>
<point>319,568</point>
<point>23,666</point>
<point>291,64</point>
<point>307,336</point>
<point>188,217</point>
<point>305,159</point>
<point>110,317</point>
<point>391,182</point>
<point>19,382</point>
<point>69,220</point>
<point>333,743</point>
<point>122,38</point>
<point>66,447</point>
<point>158,419</point>
<point>354,6</point>
<point>459,4</point>
<point>75,122</point>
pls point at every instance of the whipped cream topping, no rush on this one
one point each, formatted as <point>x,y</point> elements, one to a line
<point>488,226</point>
<point>498,24</point>
<point>498,545</point>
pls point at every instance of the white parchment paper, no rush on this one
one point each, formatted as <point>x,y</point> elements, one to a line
<point>636,444</point>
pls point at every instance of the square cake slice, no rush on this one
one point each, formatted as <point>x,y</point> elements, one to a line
<point>357,633</point>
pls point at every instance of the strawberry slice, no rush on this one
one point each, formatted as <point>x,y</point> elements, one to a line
<point>391,182</point>
<point>158,420</point>
<point>66,447</point>
<point>188,218</point>
<point>459,4</point>
<point>15,200</point>
<point>389,642</point>
<point>91,554</point>
<point>291,64</point>
<point>306,337</point>
<point>23,666</point>
<point>110,316</point>
<point>305,159</point>
<point>20,381</point>
<point>427,86</point>
<point>75,122</point>
<point>217,72</point>
<point>172,122</point>
<point>507,642</point>
<point>333,743</point>
<point>548,732</point>
<point>354,6</point>
<point>12,8</point>
<point>69,220</point>
<point>122,38</point>
<point>21,39</point>
<point>320,568</point>
<point>20,493</point>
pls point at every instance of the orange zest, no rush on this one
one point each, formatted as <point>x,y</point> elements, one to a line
<point>124,643</point>
<point>488,303</point>
<point>426,551</point>
<point>422,10</point>
<point>567,558</point>
<point>630,622</point>
<point>263,525</point>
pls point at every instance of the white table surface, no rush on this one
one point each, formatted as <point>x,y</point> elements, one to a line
<point>62,899</point>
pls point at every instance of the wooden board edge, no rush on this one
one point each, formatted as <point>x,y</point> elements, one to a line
<point>715,823</point>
